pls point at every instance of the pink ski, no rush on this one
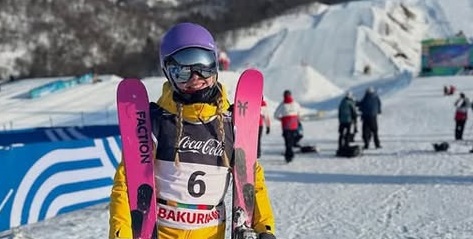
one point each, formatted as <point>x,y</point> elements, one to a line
<point>137,146</point>
<point>246,113</point>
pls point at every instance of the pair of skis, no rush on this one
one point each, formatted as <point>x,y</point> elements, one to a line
<point>137,145</point>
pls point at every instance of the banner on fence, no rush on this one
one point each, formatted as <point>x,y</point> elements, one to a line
<point>42,180</point>
<point>52,134</point>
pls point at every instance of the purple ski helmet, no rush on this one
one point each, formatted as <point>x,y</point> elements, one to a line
<point>185,35</point>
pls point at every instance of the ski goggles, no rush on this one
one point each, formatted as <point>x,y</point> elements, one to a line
<point>181,65</point>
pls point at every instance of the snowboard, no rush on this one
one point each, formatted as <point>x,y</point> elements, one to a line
<point>246,113</point>
<point>137,149</point>
<point>349,151</point>
<point>307,149</point>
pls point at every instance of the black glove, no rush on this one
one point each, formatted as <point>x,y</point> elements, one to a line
<point>267,130</point>
<point>266,235</point>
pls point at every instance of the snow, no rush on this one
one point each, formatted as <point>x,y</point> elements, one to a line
<point>403,190</point>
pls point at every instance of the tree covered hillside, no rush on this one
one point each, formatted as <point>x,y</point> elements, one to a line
<point>60,37</point>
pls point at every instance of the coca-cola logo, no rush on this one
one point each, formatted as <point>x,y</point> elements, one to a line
<point>209,147</point>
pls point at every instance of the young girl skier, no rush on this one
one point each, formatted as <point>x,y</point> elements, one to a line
<point>192,111</point>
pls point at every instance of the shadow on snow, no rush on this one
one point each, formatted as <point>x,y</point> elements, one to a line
<point>301,177</point>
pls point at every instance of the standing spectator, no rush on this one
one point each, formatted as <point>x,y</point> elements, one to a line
<point>461,115</point>
<point>346,118</point>
<point>263,121</point>
<point>370,107</point>
<point>446,90</point>
<point>288,113</point>
<point>452,89</point>
<point>354,125</point>
<point>223,60</point>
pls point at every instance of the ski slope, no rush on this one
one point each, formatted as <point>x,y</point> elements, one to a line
<point>404,190</point>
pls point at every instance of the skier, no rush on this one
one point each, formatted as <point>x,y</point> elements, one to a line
<point>462,105</point>
<point>191,113</point>
<point>263,121</point>
<point>370,107</point>
<point>288,113</point>
<point>346,118</point>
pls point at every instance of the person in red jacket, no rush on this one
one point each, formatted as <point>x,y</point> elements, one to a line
<point>288,113</point>
<point>263,121</point>
<point>223,60</point>
<point>462,105</point>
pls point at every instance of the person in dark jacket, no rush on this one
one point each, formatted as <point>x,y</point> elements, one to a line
<point>346,118</point>
<point>264,120</point>
<point>370,107</point>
